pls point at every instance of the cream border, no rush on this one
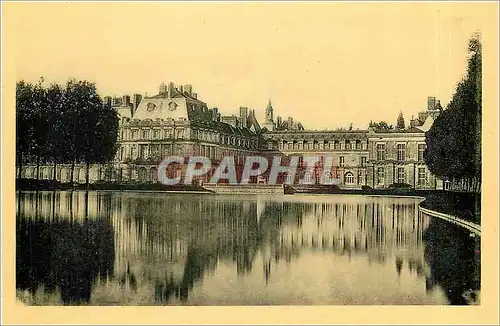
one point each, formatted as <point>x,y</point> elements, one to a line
<point>487,312</point>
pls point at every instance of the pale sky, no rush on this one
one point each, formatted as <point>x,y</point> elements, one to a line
<point>325,64</point>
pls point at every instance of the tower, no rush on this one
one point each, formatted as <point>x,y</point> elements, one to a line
<point>269,121</point>
<point>243,116</point>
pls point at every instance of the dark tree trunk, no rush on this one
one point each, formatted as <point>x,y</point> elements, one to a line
<point>20,165</point>
<point>72,173</point>
<point>54,176</point>
<point>38,167</point>
<point>87,175</point>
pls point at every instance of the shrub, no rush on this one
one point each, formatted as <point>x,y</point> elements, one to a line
<point>366,188</point>
<point>401,186</point>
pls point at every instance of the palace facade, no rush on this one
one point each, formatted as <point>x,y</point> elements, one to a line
<point>176,123</point>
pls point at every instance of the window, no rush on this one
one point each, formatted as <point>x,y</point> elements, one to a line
<point>401,175</point>
<point>133,152</point>
<point>401,152</point>
<point>300,145</point>
<point>381,175</point>
<point>166,149</point>
<point>156,134</point>
<point>123,134</point>
<point>316,145</point>
<point>134,134</point>
<point>358,144</point>
<point>348,145</point>
<point>121,153</point>
<point>168,133</point>
<point>349,178</point>
<point>155,150</point>
<point>336,145</point>
<point>341,161</point>
<point>422,176</point>
<point>143,151</point>
<point>180,133</point>
<point>380,152</point>
<point>145,134</point>
<point>421,150</point>
<point>363,161</point>
<point>360,177</point>
<point>307,178</point>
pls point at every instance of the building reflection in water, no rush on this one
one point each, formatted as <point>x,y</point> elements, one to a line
<point>150,248</point>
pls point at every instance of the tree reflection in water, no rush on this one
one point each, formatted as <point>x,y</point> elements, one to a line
<point>168,245</point>
<point>455,261</point>
<point>62,255</point>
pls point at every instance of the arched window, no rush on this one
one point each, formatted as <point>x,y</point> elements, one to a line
<point>349,178</point>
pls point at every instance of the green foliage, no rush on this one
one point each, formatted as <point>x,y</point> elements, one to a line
<point>454,140</point>
<point>401,186</point>
<point>68,124</point>
<point>401,121</point>
<point>380,126</point>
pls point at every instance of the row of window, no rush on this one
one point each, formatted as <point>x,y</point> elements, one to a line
<point>136,134</point>
<point>320,145</point>
<point>179,134</point>
<point>401,152</point>
<point>401,176</point>
<point>144,151</point>
<point>341,161</point>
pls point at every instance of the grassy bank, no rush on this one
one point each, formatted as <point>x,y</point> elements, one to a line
<point>31,184</point>
<point>459,204</point>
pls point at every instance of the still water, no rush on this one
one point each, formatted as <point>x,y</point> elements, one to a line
<point>131,248</point>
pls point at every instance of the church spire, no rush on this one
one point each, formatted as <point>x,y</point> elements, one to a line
<point>269,111</point>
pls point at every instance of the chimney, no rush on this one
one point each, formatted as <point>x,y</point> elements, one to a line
<point>194,95</point>
<point>162,88</point>
<point>431,103</point>
<point>215,114</point>
<point>170,89</point>
<point>243,116</point>
<point>126,100</point>
<point>136,100</point>
<point>188,89</point>
<point>181,89</point>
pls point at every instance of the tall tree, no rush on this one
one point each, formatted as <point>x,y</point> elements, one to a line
<point>401,121</point>
<point>454,140</point>
<point>95,131</point>
<point>55,103</point>
<point>40,123</point>
<point>24,128</point>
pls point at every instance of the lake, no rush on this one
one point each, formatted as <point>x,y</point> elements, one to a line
<point>152,248</point>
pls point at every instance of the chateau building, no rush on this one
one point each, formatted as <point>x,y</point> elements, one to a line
<point>175,122</point>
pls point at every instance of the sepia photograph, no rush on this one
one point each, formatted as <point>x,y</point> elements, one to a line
<point>279,154</point>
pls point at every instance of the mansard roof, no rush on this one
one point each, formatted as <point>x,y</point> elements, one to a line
<point>252,122</point>
<point>221,126</point>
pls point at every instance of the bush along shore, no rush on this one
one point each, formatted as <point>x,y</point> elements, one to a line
<point>32,184</point>
<point>463,205</point>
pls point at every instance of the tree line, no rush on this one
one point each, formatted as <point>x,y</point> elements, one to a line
<point>454,140</point>
<point>63,124</point>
